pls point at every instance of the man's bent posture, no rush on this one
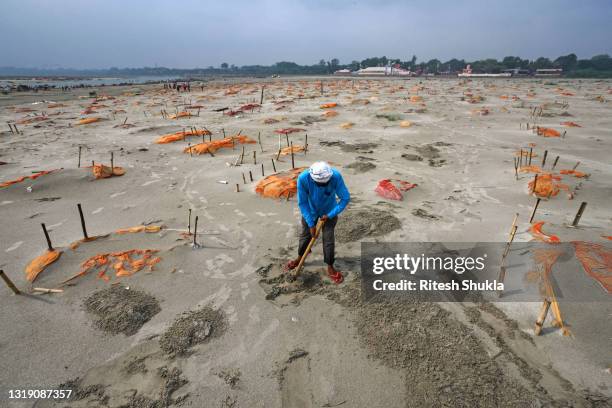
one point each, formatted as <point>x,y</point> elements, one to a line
<point>317,189</point>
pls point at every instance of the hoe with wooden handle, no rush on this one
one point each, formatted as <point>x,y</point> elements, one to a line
<point>300,266</point>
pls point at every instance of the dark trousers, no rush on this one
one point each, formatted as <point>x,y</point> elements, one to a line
<point>329,241</point>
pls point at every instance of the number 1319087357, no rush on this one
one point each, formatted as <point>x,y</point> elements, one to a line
<point>39,394</point>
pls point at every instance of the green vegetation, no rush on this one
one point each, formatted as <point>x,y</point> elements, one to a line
<point>599,66</point>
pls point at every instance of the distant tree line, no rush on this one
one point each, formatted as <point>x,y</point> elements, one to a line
<point>599,66</point>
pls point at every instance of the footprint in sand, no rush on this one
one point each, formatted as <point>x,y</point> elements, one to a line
<point>97,210</point>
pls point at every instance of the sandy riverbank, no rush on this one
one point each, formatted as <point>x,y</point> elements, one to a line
<point>320,346</point>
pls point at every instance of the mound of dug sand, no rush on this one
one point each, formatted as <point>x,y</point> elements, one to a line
<point>355,224</point>
<point>193,328</point>
<point>121,310</point>
<point>361,166</point>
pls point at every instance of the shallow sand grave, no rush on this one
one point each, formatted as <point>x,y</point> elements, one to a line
<point>352,354</point>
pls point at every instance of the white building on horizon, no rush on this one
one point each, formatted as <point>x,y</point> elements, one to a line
<point>383,71</point>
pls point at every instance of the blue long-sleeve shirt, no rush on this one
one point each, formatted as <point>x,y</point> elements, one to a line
<point>316,201</point>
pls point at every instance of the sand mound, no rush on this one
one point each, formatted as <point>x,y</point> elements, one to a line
<point>356,224</point>
<point>121,310</point>
<point>193,328</point>
<point>361,166</point>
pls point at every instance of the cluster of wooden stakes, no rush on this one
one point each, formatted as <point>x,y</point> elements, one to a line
<point>50,247</point>
<point>550,300</point>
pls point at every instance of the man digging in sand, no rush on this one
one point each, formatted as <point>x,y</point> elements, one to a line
<point>317,189</point>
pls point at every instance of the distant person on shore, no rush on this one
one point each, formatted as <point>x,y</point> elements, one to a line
<point>317,189</point>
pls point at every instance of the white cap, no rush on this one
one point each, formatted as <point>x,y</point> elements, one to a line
<point>321,172</point>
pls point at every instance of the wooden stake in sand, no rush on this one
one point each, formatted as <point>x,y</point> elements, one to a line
<point>514,220</point>
<point>579,214</point>
<point>9,283</point>
<point>292,159</point>
<point>242,155</point>
<point>79,164</point>
<point>251,176</point>
<point>189,223</point>
<point>82,221</point>
<point>223,130</point>
<point>535,183</point>
<point>544,158</point>
<point>305,144</point>
<point>502,270</point>
<point>254,156</point>
<point>535,208</point>
<point>195,233</point>
<point>262,95</point>
<point>273,165</point>
<point>521,158</point>
<point>262,170</point>
<point>10,127</point>
<point>516,164</point>
<point>541,317</point>
<point>576,166</point>
<point>237,187</point>
<point>259,140</point>
<point>112,162</point>
<point>189,147</point>
<point>44,227</point>
<point>555,162</point>
<point>530,154</point>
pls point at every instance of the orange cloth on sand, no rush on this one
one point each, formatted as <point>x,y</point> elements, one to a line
<point>328,105</point>
<point>175,137</point>
<point>87,121</point>
<point>295,148</point>
<point>570,124</point>
<point>530,169</point>
<point>547,132</point>
<point>330,113</point>
<point>574,173</point>
<point>597,262</point>
<point>101,171</point>
<point>140,228</point>
<point>279,185</point>
<point>214,145</point>
<point>548,186</point>
<point>38,264</point>
<point>22,178</point>
<point>180,115</point>
<point>124,263</point>
<point>536,231</point>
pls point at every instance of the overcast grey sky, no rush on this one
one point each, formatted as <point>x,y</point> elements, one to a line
<point>190,33</point>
